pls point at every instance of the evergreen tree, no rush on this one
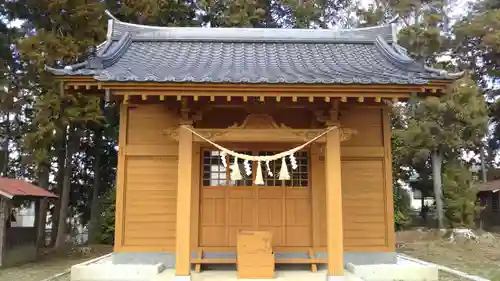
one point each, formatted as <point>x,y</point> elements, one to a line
<point>460,196</point>
<point>63,31</point>
<point>428,136</point>
<point>439,129</point>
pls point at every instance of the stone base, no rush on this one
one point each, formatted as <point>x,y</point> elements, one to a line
<point>405,271</point>
<point>168,259</point>
<point>102,269</point>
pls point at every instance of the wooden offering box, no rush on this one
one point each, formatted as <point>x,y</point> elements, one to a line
<point>255,258</point>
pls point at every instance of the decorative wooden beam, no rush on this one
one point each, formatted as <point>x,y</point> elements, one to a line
<point>107,95</point>
<point>184,111</point>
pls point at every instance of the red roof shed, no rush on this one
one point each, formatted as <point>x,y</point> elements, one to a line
<point>13,187</point>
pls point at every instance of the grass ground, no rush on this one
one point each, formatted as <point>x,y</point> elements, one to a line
<point>51,263</point>
<point>480,258</point>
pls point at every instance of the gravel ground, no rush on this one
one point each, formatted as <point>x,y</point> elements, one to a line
<point>51,264</point>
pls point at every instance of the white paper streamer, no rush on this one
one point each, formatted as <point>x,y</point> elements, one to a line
<point>248,170</point>
<point>269,173</point>
<point>293,161</point>
<point>223,158</point>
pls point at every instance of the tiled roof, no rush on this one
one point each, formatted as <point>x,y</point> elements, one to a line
<point>242,55</point>
<point>13,187</point>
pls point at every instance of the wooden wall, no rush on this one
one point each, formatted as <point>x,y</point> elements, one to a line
<point>147,182</point>
<point>146,195</point>
<point>366,184</point>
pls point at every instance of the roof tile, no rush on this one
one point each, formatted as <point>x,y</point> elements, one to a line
<point>231,55</point>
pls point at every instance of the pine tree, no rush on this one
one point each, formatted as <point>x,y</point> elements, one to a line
<point>442,129</point>
<point>460,196</point>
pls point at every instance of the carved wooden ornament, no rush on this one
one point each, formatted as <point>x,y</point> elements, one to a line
<point>259,128</point>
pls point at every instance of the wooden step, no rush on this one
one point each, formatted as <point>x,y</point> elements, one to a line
<point>278,260</point>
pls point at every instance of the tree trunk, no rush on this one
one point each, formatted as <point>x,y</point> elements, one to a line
<point>423,211</point>
<point>484,171</point>
<point>4,151</point>
<point>4,215</point>
<point>61,154</point>
<point>66,188</point>
<point>95,210</point>
<point>437,162</point>
<point>43,182</point>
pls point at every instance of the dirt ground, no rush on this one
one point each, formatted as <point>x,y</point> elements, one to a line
<point>51,263</point>
<point>481,258</point>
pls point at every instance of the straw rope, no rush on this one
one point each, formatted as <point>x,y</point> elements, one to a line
<point>259,158</point>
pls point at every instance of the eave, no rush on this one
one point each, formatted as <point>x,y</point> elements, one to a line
<point>151,92</point>
<point>78,82</point>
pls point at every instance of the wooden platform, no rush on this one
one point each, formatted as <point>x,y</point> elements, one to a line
<point>201,259</point>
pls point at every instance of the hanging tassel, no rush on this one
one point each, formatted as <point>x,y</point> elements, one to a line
<point>259,180</point>
<point>235,171</point>
<point>284,175</point>
<point>248,170</point>
<point>223,159</point>
<point>269,169</point>
<point>293,161</point>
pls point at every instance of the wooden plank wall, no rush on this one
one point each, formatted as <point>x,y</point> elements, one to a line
<point>146,195</point>
<point>366,184</point>
<point>147,182</point>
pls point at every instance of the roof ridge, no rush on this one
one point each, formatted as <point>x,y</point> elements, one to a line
<point>112,17</point>
<point>156,33</point>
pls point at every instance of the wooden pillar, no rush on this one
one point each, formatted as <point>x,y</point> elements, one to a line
<point>334,232</point>
<point>183,224</point>
<point>121,178</point>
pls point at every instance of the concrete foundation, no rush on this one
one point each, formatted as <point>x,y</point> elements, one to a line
<point>168,259</point>
<point>103,269</point>
<point>160,267</point>
<point>403,270</point>
<point>281,275</point>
